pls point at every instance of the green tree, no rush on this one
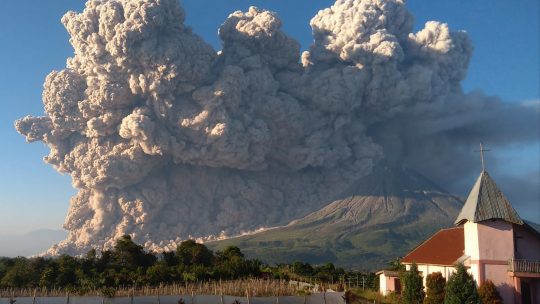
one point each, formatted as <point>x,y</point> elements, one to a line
<point>229,252</point>
<point>396,265</point>
<point>19,275</point>
<point>304,269</point>
<point>48,277</point>
<point>413,291</point>
<point>191,253</point>
<point>169,258</point>
<point>489,294</point>
<point>158,273</point>
<point>129,255</point>
<point>128,264</point>
<point>435,284</point>
<point>67,271</point>
<point>461,288</point>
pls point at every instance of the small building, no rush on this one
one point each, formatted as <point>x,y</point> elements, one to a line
<point>491,240</point>
<point>389,281</point>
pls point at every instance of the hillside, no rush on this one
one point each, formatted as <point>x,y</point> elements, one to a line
<point>381,217</point>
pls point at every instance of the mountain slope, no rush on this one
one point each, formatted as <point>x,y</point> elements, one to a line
<point>381,217</point>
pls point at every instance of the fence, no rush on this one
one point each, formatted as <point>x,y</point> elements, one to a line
<point>253,287</point>
<point>319,298</point>
<point>524,266</point>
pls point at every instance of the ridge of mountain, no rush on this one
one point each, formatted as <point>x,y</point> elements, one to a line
<point>30,243</point>
<point>381,217</point>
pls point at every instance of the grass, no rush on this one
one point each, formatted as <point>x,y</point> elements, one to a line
<point>371,296</point>
<point>253,287</point>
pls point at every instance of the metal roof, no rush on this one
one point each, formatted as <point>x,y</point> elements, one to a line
<point>486,202</point>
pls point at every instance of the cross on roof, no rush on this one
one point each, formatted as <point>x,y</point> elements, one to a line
<point>482,150</point>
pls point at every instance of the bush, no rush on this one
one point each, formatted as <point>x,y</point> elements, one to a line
<point>350,297</point>
<point>413,292</point>
<point>488,293</point>
<point>108,292</point>
<point>435,284</point>
<point>461,288</point>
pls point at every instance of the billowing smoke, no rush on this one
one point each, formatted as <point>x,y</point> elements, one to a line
<point>165,138</point>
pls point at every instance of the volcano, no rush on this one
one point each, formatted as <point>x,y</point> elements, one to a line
<point>381,217</point>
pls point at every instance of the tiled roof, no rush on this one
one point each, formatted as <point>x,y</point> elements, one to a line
<point>486,202</point>
<point>443,248</point>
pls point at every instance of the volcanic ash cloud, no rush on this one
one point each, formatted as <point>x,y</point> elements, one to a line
<point>165,138</point>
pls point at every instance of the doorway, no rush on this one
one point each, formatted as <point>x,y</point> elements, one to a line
<point>525,293</point>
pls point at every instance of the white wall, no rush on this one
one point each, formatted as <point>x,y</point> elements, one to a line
<point>383,284</point>
<point>471,240</point>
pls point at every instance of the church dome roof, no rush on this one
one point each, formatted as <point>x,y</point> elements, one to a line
<point>486,202</point>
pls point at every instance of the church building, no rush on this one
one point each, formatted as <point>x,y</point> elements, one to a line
<point>490,239</point>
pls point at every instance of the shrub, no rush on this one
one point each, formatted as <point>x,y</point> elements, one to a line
<point>108,292</point>
<point>349,297</point>
<point>461,288</point>
<point>435,284</point>
<point>488,293</point>
<point>413,292</point>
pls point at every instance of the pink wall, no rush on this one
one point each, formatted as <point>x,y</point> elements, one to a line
<point>390,284</point>
<point>496,247</point>
<point>495,240</point>
<point>498,274</point>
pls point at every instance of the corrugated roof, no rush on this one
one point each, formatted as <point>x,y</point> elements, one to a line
<point>443,248</point>
<point>486,202</point>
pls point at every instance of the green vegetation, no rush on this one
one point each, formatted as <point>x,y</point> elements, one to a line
<point>488,293</point>
<point>461,288</point>
<point>317,243</point>
<point>129,265</point>
<point>435,283</point>
<point>372,296</point>
<point>413,291</point>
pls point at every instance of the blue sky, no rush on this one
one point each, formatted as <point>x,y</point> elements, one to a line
<point>506,63</point>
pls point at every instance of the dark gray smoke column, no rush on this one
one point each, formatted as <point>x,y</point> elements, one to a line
<point>167,139</point>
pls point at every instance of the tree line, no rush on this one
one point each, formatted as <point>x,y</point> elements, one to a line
<point>127,264</point>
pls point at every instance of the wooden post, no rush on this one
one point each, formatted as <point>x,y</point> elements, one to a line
<point>363,283</point>
<point>158,300</point>
<point>221,290</point>
<point>67,300</point>
<point>34,298</point>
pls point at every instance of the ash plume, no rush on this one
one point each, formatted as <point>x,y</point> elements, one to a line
<point>165,138</point>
